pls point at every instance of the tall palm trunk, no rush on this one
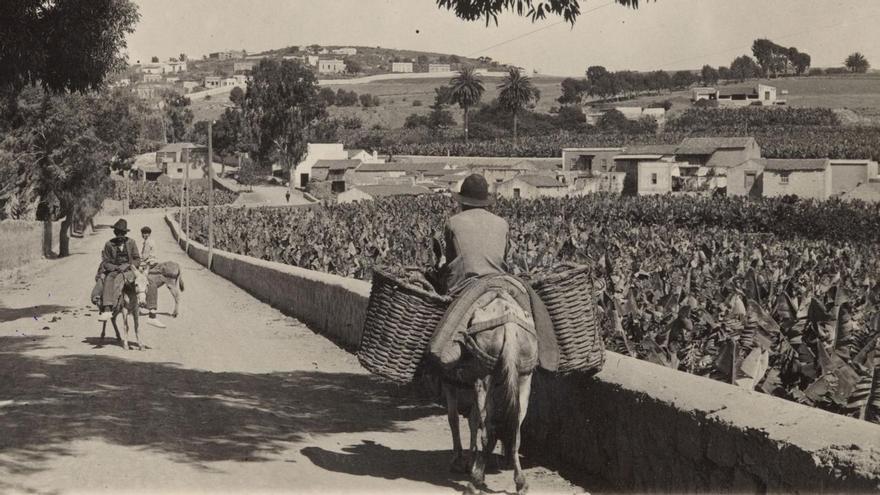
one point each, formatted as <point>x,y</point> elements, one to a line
<point>466,124</point>
<point>514,128</point>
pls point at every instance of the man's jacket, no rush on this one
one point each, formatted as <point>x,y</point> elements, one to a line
<point>476,245</point>
<point>118,252</point>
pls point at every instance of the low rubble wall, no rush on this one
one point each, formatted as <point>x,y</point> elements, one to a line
<point>635,425</point>
<point>23,241</point>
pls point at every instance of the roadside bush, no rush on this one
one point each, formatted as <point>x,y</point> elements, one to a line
<point>346,98</point>
<point>417,103</point>
<point>816,71</point>
<point>368,100</point>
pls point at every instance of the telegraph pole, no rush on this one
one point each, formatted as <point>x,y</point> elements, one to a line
<point>210,196</point>
<point>186,196</point>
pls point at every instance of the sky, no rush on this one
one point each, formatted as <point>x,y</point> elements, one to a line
<point>661,34</point>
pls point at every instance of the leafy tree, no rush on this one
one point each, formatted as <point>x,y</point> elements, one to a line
<point>515,93</point>
<point>454,59</point>
<point>327,96</point>
<point>282,110</point>
<point>709,75</point>
<point>659,80</point>
<point>346,98</point>
<point>466,89</point>
<point>155,59</point>
<point>856,62</point>
<point>368,100</point>
<point>572,90</point>
<point>724,73</point>
<point>571,118</point>
<point>801,62</point>
<point>178,116</point>
<point>613,120</point>
<point>236,96</point>
<point>683,79</point>
<point>414,121</point>
<point>472,10</point>
<point>62,45</point>
<point>352,66</point>
<point>744,67</point>
<point>182,57</point>
<point>423,60</point>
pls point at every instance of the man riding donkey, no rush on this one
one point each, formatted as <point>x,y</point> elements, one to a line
<point>492,337</point>
<point>118,260</point>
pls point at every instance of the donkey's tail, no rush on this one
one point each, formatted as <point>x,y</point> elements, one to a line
<point>180,280</point>
<point>506,384</point>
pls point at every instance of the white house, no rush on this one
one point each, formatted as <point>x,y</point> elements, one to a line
<point>345,51</point>
<point>741,96</point>
<point>401,67</point>
<point>654,178</point>
<point>230,81</point>
<point>150,77</point>
<point>331,66</point>
<point>806,178</point>
<point>299,176</point>
<point>704,93</point>
<point>213,82</point>
<point>530,187</point>
<point>246,66</point>
<point>312,59</point>
<point>153,69</point>
<point>438,68</point>
<point>175,66</point>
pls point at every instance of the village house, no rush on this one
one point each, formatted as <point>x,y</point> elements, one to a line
<point>345,51</point>
<point>654,177</point>
<point>439,68</point>
<point>174,158</point>
<point>331,66</point>
<point>228,55</point>
<point>172,79</point>
<point>175,66</point>
<point>158,68</point>
<point>370,192</point>
<point>379,173</point>
<point>364,156</point>
<point>246,66</point>
<point>747,178</point>
<point>312,59</point>
<point>334,172</point>
<point>401,67</point>
<point>531,187</point>
<point>847,175</point>
<point>302,173</point>
<point>230,81</point>
<point>806,178</point>
<point>741,96</point>
<point>591,160</point>
<point>188,86</point>
<point>703,93</point>
<point>213,82</point>
<point>150,77</point>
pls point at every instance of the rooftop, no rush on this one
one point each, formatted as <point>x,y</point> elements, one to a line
<point>402,167</point>
<point>177,147</point>
<point>652,149</point>
<point>381,191</point>
<point>638,157</point>
<point>538,180</point>
<point>784,165</point>
<point>337,164</point>
<point>709,145</point>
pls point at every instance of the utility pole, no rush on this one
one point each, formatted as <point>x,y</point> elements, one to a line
<point>210,196</point>
<point>186,196</point>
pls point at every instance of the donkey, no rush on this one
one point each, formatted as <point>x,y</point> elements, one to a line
<point>127,304</point>
<point>500,361</point>
<point>168,273</point>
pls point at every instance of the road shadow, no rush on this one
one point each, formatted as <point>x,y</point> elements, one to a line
<point>193,416</point>
<point>12,314</point>
<point>378,461</point>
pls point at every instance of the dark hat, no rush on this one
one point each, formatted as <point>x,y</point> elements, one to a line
<point>120,224</point>
<point>474,192</point>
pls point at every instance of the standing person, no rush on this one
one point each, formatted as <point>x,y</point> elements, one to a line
<point>118,259</point>
<point>287,195</point>
<point>150,261</point>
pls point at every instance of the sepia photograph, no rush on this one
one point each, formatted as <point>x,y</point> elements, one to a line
<point>574,247</point>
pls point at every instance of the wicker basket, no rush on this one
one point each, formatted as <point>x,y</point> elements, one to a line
<point>397,331</point>
<point>571,302</point>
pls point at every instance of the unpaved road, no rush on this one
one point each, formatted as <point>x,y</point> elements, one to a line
<point>232,396</point>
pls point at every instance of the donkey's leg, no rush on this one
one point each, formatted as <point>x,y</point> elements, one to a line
<point>478,470</point>
<point>458,464</point>
<point>124,328</point>
<point>175,293</point>
<point>525,388</point>
<point>134,317</point>
<point>103,330</point>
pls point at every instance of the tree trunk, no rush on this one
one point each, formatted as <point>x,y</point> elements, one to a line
<point>465,125</point>
<point>514,128</point>
<point>64,237</point>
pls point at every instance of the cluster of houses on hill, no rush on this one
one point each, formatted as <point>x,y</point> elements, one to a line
<point>727,165</point>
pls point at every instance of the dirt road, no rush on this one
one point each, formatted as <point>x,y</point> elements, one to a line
<point>232,396</point>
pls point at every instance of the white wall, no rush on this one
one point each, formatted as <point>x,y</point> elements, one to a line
<point>315,152</point>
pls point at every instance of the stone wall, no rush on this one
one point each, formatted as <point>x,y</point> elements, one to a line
<point>635,426</point>
<point>24,241</point>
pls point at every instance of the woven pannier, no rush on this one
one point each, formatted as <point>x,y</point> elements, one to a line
<point>570,300</point>
<point>401,318</point>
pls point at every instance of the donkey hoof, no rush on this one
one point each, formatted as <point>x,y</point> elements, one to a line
<point>522,487</point>
<point>472,489</point>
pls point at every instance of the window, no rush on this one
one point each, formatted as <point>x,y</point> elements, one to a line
<point>766,95</point>
<point>750,179</point>
<point>783,179</point>
<point>499,181</point>
<point>516,192</point>
<point>337,186</point>
<point>179,170</point>
<point>303,179</point>
<point>654,179</point>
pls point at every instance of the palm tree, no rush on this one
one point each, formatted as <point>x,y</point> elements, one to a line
<point>857,62</point>
<point>466,89</point>
<point>516,93</point>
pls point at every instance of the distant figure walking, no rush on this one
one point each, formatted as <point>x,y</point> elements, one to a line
<point>287,196</point>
